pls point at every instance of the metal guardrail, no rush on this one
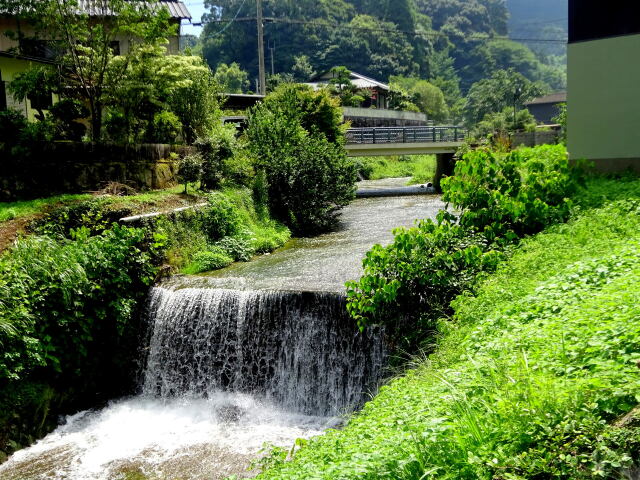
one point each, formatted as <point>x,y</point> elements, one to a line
<point>382,135</point>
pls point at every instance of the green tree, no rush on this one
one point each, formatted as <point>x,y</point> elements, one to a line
<point>505,88</point>
<point>427,97</point>
<point>87,44</point>
<point>297,138</point>
<point>231,78</point>
<point>38,81</point>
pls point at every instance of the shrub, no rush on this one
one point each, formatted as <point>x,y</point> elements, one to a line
<point>189,169</point>
<point>220,219</point>
<point>165,127</point>
<point>12,123</point>
<point>238,248</point>
<point>410,283</point>
<point>213,259</point>
<point>297,140</point>
<point>66,113</point>
<point>214,150</point>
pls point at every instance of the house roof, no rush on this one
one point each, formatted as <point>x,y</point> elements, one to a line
<point>558,97</point>
<point>177,9</point>
<point>359,80</point>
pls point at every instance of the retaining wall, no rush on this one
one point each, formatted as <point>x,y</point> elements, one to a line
<point>72,167</point>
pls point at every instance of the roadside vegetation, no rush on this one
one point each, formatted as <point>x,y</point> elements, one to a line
<point>421,168</point>
<point>531,370</point>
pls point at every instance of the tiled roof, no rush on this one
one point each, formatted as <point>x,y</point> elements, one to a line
<point>558,97</point>
<point>176,9</point>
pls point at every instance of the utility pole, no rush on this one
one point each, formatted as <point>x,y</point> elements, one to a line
<point>272,51</point>
<point>262,76</point>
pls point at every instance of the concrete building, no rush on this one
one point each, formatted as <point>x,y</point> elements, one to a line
<point>603,122</point>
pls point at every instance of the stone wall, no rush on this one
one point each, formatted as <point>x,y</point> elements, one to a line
<point>531,139</point>
<point>71,167</point>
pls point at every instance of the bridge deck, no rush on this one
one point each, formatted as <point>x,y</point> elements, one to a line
<point>403,140</point>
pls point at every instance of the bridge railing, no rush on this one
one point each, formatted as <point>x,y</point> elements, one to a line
<point>382,135</point>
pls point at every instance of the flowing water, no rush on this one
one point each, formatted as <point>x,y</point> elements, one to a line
<point>258,353</point>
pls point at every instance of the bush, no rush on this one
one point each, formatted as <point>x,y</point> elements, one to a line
<point>297,140</point>
<point>66,113</point>
<point>238,248</point>
<point>220,219</point>
<point>12,123</point>
<point>410,283</point>
<point>213,259</point>
<point>189,169</point>
<point>165,127</point>
<point>215,150</point>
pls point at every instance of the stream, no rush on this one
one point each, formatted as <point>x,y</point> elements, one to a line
<point>260,353</point>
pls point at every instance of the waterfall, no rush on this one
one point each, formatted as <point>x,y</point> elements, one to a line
<point>299,350</point>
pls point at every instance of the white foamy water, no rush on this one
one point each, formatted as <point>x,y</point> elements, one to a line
<point>162,438</point>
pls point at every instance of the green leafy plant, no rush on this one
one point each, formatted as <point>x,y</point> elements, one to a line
<point>189,170</point>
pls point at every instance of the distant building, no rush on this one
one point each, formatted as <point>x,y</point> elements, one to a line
<point>604,83</point>
<point>544,109</point>
<point>374,111</point>
<point>17,56</point>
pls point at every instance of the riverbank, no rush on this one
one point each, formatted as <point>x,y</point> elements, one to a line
<point>534,375</point>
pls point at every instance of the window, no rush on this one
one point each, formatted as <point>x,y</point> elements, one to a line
<point>41,102</point>
<point>115,47</point>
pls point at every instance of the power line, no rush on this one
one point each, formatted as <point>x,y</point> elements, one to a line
<point>230,22</point>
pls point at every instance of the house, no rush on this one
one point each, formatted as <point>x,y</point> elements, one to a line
<point>17,56</point>
<point>545,108</point>
<point>374,111</point>
<point>603,118</point>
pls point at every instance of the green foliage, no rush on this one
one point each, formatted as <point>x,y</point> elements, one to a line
<point>231,78</point>
<point>531,377</point>
<point>427,97</point>
<point>514,195</point>
<point>88,67</point>
<point>67,113</point>
<point>420,168</point>
<point>204,261</point>
<point>39,81</point>
<point>165,127</point>
<point>189,170</point>
<point>220,219</point>
<point>410,283</point>
<point>70,302</point>
<point>296,136</point>
<point>12,123</point>
<point>501,123</point>
<point>505,88</point>
<point>561,119</point>
<point>217,152</point>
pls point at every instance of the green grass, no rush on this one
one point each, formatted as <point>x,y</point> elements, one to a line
<point>420,167</point>
<point>528,379</point>
<point>12,210</point>
<point>25,208</point>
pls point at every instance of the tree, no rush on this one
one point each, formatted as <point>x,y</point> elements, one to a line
<point>231,78</point>
<point>342,87</point>
<point>36,82</point>
<point>427,97</point>
<point>85,65</point>
<point>505,88</point>
<point>151,82</point>
<point>501,123</point>
<point>297,138</point>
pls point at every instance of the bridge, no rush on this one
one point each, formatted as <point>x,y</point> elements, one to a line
<point>367,142</point>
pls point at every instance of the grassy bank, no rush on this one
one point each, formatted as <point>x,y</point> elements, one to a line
<point>421,168</point>
<point>532,376</point>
